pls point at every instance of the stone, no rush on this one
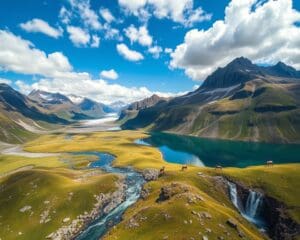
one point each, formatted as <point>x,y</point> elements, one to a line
<point>150,174</point>
<point>241,233</point>
<point>133,223</point>
<point>231,223</point>
<point>204,238</point>
<point>25,209</point>
<point>206,215</point>
<point>65,220</point>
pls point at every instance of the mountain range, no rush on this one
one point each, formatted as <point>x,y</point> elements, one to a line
<point>241,101</point>
<point>69,108</point>
<point>21,117</point>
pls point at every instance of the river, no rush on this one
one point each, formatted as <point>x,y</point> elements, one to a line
<point>134,183</point>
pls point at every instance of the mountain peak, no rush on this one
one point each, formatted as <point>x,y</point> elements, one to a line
<point>238,71</point>
<point>242,61</point>
<point>282,70</point>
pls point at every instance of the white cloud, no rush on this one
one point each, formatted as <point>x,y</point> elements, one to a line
<point>109,74</point>
<point>140,35</point>
<point>179,11</point>
<point>168,50</point>
<point>99,90</point>
<point>155,51</point>
<point>89,16</point>
<point>107,15</point>
<point>4,80</point>
<point>65,15</point>
<point>264,32</point>
<point>95,41</point>
<point>40,26</point>
<point>19,55</point>
<point>112,33</point>
<point>129,54</point>
<point>78,36</point>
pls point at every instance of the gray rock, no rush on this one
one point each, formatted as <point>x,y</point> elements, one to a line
<point>232,223</point>
<point>150,174</point>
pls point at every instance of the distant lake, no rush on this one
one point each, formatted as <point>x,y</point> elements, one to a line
<point>209,152</point>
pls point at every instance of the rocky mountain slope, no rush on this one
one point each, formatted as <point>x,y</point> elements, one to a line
<point>241,101</point>
<point>132,110</point>
<point>19,116</point>
<point>69,108</point>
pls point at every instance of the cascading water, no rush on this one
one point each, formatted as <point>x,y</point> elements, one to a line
<point>251,210</point>
<point>253,203</point>
<point>233,194</point>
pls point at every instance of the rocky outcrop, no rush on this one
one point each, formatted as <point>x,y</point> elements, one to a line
<point>280,226</point>
<point>150,174</point>
<point>104,204</point>
<point>146,103</point>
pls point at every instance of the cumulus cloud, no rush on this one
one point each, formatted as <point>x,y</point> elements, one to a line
<point>107,15</point>
<point>19,55</point>
<point>265,32</point>
<point>78,36</point>
<point>40,26</point>
<point>109,74</point>
<point>168,50</point>
<point>155,51</point>
<point>88,15</point>
<point>95,41</point>
<point>129,54</point>
<point>99,89</point>
<point>182,11</point>
<point>112,33</point>
<point>65,15</point>
<point>140,35</point>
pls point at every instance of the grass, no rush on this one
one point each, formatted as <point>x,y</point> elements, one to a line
<point>14,163</point>
<point>55,182</point>
<point>281,182</point>
<point>121,144</point>
<point>34,188</point>
<point>180,222</point>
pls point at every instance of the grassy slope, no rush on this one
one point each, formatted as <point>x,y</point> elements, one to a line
<point>153,224</point>
<point>127,153</point>
<point>242,118</point>
<point>12,132</point>
<point>34,187</point>
<point>12,163</point>
<point>280,182</point>
<point>216,202</point>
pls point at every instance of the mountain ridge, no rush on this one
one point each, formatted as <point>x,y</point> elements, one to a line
<point>241,101</point>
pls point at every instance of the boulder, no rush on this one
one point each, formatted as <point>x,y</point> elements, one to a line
<point>150,174</point>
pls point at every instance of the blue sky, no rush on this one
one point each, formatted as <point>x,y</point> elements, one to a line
<point>168,27</point>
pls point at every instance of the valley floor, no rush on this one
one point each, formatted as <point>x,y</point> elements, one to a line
<point>41,193</point>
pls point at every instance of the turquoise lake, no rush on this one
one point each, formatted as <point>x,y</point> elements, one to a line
<point>209,152</point>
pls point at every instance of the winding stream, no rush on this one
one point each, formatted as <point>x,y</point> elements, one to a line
<point>134,183</point>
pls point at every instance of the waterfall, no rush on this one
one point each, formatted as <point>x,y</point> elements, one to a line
<point>233,194</point>
<point>252,206</point>
<point>251,210</point>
